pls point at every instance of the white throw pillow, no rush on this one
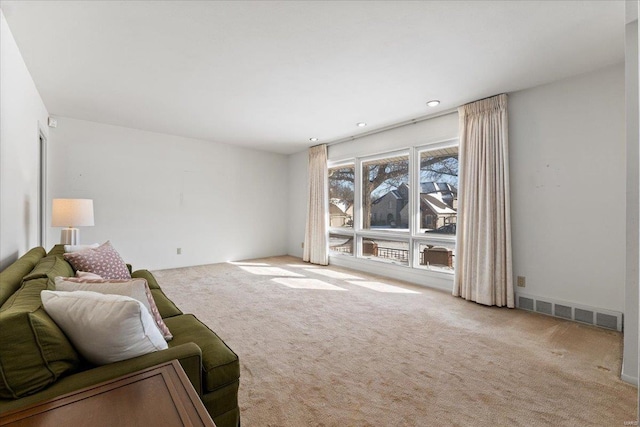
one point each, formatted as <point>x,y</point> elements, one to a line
<point>104,328</point>
<point>76,248</point>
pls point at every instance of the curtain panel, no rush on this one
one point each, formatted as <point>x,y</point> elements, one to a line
<point>483,244</point>
<point>315,237</point>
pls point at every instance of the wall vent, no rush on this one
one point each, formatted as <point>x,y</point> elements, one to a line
<point>606,321</point>
<point>543,307</point>
<point>525,303</point>
<point>566,310</point>
<point>563,311</point>
<point>585,316</point>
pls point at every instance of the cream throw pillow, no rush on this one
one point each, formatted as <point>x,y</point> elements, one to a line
<point>87,275</point>
<point>137,289</point>
<point>104,328</point>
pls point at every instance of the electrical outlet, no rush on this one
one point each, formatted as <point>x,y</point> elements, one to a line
<point>522,281</point>
<point>179,251</point>
<point>302,245</point>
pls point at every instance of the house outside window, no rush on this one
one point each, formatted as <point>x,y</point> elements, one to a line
<point>385,193</point>
<point>402,207</point>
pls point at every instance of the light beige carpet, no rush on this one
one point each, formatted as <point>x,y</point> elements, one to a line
<point>334,347</point>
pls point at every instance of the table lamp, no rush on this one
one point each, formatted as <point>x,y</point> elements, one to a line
<point>71,213</point>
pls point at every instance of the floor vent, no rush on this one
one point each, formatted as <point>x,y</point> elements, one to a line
<point>593,316</point>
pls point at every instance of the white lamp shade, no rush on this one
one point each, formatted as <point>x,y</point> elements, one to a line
<point>72,213</point>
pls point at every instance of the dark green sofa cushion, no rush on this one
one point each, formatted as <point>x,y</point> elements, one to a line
<point>34,352</point>
<point>220,366</point>
<point>11,277</point>
<point>49,267</point>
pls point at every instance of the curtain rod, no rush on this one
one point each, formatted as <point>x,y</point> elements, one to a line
<point>393,126</point>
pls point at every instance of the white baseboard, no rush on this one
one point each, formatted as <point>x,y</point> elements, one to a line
<point>570,310</point>
<point>629,379</point>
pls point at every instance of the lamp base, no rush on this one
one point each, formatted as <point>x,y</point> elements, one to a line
<point>70,236</point>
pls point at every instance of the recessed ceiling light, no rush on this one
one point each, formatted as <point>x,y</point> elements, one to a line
<point>313,139</point>
<point>361,124</point>
<point>433,103</point>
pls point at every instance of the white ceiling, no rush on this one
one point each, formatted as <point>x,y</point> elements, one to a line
<point>270,75</point>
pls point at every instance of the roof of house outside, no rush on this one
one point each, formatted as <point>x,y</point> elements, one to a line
<point>432,187</point>
<point>437,204</point>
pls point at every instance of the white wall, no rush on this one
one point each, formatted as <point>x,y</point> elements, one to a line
<point>433,130</point>
<point>567,159</point>
<point>630,366</point>
<point>154,193</point>
<point>22,116</point>
<point>298,183</point>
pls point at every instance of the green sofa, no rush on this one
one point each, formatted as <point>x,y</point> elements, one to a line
<point>37,361</point>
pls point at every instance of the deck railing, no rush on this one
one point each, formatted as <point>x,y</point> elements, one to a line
<point>401,255</point>
<point>347,249</point>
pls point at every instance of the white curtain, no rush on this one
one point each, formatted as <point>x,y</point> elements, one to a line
<point>315,236</point>
<point>483,246</point>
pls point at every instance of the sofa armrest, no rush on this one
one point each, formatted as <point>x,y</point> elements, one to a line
<point>189,355</point>
<point>146,274</point>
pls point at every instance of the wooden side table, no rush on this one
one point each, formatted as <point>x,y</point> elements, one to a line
<point>158,396</point>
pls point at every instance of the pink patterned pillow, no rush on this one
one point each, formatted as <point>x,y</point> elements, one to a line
<point>66,284</point>
<point>103,261</point>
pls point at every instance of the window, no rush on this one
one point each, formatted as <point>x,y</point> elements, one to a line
<point>438,198</point>
<point>341,243</point>
<point>439,190</point>
<point>385,193</point>
<point>437,255</point>
<point>395,251</point>
<point>398,208</point>
<point>341,190</point>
